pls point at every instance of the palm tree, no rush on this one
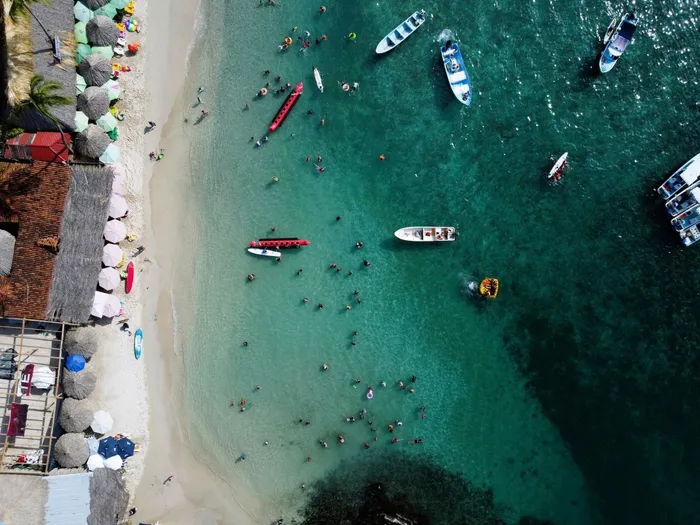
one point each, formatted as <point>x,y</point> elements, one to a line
<point>42,98</point>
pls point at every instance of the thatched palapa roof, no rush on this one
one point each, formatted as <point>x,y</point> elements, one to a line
<point>101,31</point>
<point>80,259</point>
<point>71,450</point>
<point>108,497</point>
<point>76,416</point>
<point>94,102</point>
<point>79,385</point>
<point>80,341</point>
<point>95,69</point>
<point>93,5</point>
<point>92,142</point>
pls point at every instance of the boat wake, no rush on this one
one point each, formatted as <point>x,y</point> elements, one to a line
<point>469,287</point>
<point>444,36</point>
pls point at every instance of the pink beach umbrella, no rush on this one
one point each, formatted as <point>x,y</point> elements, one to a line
<point>109,278</point>
<point>119,178</point>
<point>117,206</point>
<point>112,255</point>
<point>115,231</point>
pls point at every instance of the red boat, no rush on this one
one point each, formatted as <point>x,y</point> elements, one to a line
<point>287,107</point>
<point>281,242</point>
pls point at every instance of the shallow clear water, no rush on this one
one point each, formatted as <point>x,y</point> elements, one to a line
<point>565,395</point>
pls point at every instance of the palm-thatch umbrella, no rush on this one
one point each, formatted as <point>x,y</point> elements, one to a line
<point>78,385</point>
<point>76,416</point>
<point>108,497</point>
<point>71,450</point>
<point>94,102</point>
<point>101,31</point>
<point>7,251</point>
<point>91,142</point>
<point>95,4</point>
<point>81,341</point>
<point>95,69</point>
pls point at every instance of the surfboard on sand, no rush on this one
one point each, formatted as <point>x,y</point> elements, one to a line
<point>138,343</point>
<point>129,277</point>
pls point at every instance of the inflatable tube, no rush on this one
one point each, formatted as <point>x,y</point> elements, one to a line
<point>370,393</point>
<point>352,36</point>
<point>288,40</point>
<point>346,87</point>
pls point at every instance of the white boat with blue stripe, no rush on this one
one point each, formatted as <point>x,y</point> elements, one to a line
<point>401,32</point>
<point>684,200</point>
<point>456,72</point>
<point>686,219</point>
<point>618,42</point>
<point>685,176</point>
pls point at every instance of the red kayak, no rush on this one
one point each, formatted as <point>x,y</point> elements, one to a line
<point>282,242</point>
<point>286,107</point>
<point>129,277</point>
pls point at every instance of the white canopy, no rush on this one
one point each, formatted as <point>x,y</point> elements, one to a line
<point>117,206</point>
<point>115,231</point>
<point>695,192</point>
<point>43,378</point>
<point>105,305</point>
<point>115,462</point>
<point>691,173</point>
<point>112,255</point>
<point>95,461</point>
<point>109,278</point>
<point>102,422</point>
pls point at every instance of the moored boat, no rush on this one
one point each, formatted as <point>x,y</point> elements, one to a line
<point>684,200</point>
<point>559,166</point>
<point>317,78</point>
<point>401,32</point>
<point>690,236</point>
<point>686,219</point>
<point>281,242</point>
<point>489,288</point>
<point>457,75</point>
<point>617,42</point>
<point>611,28</point>
<point>683,177</point>
<point>426,234</point>
<point>264,252</point>
<point>287,107</point>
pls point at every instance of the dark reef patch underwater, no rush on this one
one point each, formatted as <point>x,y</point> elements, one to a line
<point>404,490</point>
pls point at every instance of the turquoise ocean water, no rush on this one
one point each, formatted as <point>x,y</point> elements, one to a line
<point>571,396</point>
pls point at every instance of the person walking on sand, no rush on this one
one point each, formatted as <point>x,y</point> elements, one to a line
<point>205,112</point>
<point>200,90</point>
<point>168,479</point>
<point>151,124</point>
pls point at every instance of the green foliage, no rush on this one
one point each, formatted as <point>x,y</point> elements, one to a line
<point>42,97</point>
<point>19,9</point>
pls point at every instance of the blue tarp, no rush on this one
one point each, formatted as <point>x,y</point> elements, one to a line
<point>125,448</point>
<point>75,363</point>
<point>108,447</point>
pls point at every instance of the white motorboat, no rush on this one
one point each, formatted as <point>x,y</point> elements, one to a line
<point>456,72</point>
<point>401,33</point>
<point>264,252</point>
<point>317,77</point>
<point>685,176</point>
<point>426,234</point>
<point>559,166</point>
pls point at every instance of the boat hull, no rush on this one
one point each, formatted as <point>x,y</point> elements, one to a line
<point>391,41</point>
<point>676,183</point>
<point>283,112</point>
<point>557,165</point>
<point>264,252</point>
<point>426,234</point>
<point>456,72</point>
<point>617,43</point>
<point>317,78</point>
<point>286,242</point>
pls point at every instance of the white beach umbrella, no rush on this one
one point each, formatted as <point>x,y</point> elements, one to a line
<point>112,255</point>
<point>117,206</point>
<point>102,422</point>
<point>119,171</point>
<point>95,461</point>
<point>109,278</point>
<point>98,304</point>
<point>115,462</point>
<point>112,307</point>
<point>105,305</point>
<point>115,231</point>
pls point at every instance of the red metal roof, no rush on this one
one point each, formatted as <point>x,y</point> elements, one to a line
<point>44,145</point>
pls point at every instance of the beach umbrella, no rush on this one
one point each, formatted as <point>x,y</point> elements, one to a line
<point>105,51</point>
<point>110,155</point>
<point>125,447</point>
<point>94,102</point>
<point>81,121</point>
<point>112,88</point>
<point>114,462</point>
<point>117,206</point>
<point>80,341</point>
<point>114,135</point>
<point>80,33</point>
<point>71,450</point>
<point>107,122</point>
<point>119,171</point>
<point>95,4</point>
<point>108,447</point>
<point>102,422</point>
<point>75,415</point>
<point>82,51</point>
<point>115,231</point>
<point>80,84</point>
<point>107,10</point>
<point>101,31</point>
<point>109,278</point>
<point>105,305</point>
<point>78,385</point>
<point>82,13</point>
<point>96,69</point>
<point>112,255</point>
<point>93,443</point>
<point>95,461</point>
<point>75,363</point>
<point>113,307</point>
<point>91,142</point>
<point>119,4</point>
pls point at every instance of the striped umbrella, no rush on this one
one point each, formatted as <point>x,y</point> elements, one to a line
<point>80,84</point>
<point>81,33</point>
<point>112,88</point>
<point>82,13</point>
<point>81,121</point>
<point>107,122</point>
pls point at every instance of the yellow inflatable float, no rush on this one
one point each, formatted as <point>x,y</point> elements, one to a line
<point>489,288</point>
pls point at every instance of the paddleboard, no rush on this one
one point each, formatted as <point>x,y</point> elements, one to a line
<point>129,277</point>
<point>319,82</point>
<point>138,343</point>
<point>611,29</point>
<point>558,164</point>
<point>264,252</point>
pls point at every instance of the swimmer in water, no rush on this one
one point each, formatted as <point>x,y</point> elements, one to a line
<point>383,384</point>
<point>358,380</point>
<point>325,366</point>
<point>306,300</point>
